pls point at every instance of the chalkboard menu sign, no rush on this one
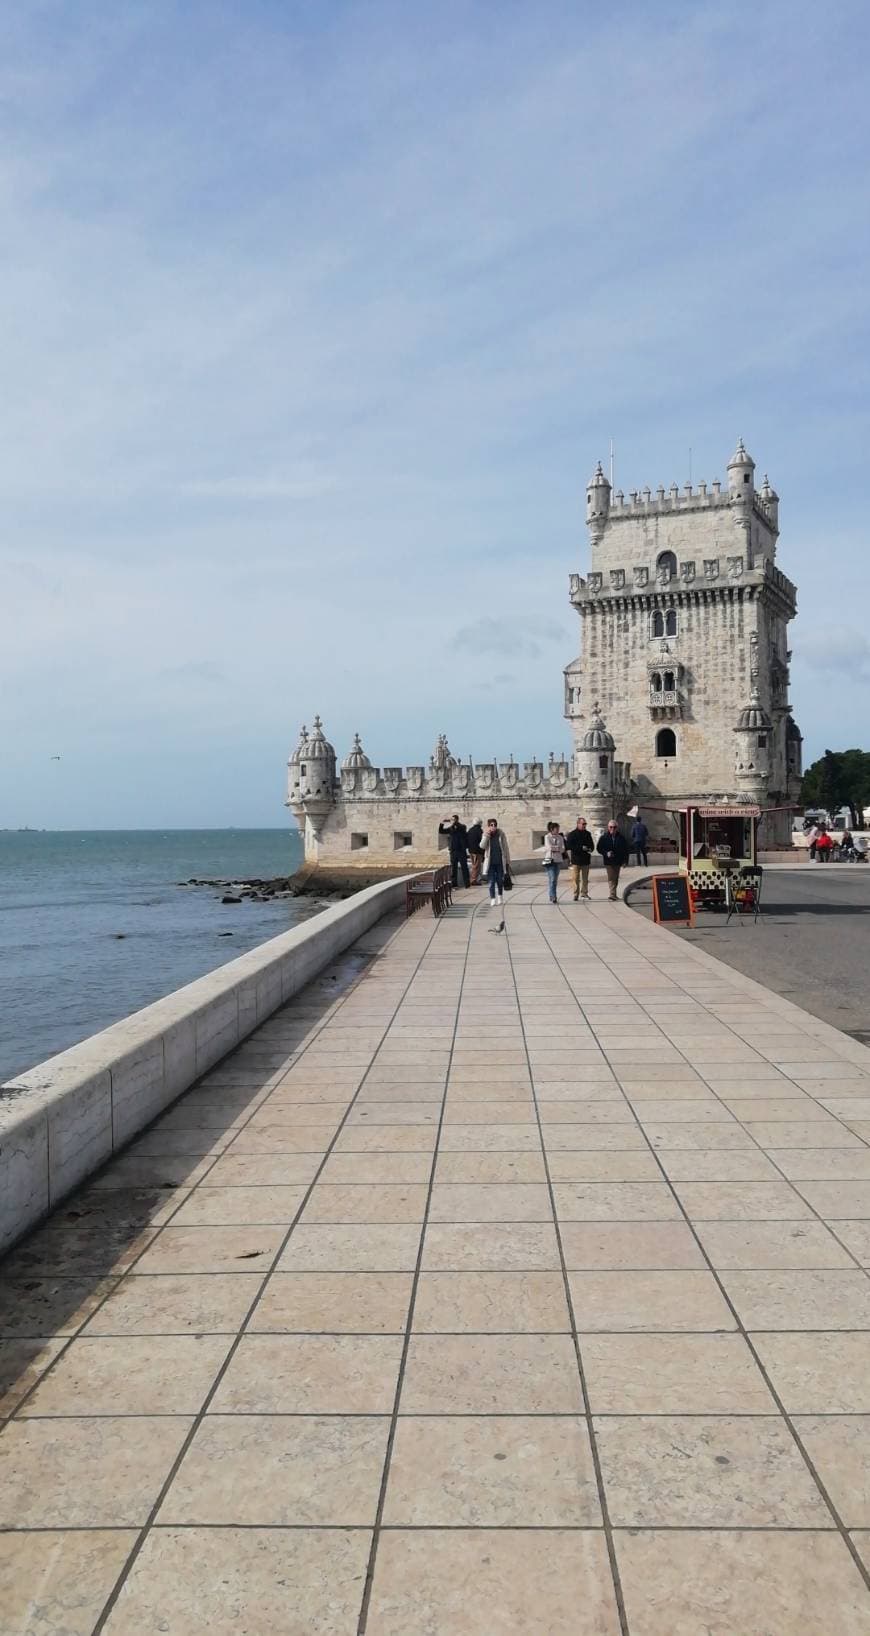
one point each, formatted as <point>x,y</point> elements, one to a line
<point>672,904</point>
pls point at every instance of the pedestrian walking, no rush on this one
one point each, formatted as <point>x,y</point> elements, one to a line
<point>457,841</point>
<point>580,845</point>
<point>496,862</point>
<point>554,857</point>
<point>614,850</point>
<point>640,841</point>
<point>474,842</point>
<point>812,839</point>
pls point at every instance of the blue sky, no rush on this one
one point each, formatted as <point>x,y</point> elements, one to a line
<point>315,319</point>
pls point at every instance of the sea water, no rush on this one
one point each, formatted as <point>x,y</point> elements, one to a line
<point>94,925</point>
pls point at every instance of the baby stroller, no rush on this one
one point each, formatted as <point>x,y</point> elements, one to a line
<point>853,851</point>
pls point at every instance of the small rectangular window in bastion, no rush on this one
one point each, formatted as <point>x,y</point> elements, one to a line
<point>358,841</point>
<point>402,838</point>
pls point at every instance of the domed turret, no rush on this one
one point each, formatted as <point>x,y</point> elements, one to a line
<point>316,768</point>
<point>597,503</point>
<point>294,775</point>
<point>593,765</point>
<point>357,758</point>
<point>753,731</point>
<point>596,736</point>
<point>771,501</point>
<point>741,472</point>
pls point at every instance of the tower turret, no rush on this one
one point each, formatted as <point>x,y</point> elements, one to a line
<point>353,764</point>
<point>597,503</point>
<point>593,759</point>
<point>741,472</point>
<point>316,778</point>
<point>753,732</point>
<point>771,502</point>
<point>294,774</point>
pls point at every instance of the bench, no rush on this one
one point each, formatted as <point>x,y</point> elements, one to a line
<point>434,887</point>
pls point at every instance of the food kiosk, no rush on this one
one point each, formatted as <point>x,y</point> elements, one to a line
<point>719,853</point>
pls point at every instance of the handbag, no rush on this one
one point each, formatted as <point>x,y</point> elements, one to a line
<point>508,884</point>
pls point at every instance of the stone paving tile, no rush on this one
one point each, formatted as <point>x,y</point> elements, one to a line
<point>492,1472</point>
<point>364,1303</point>
<point>511,1201</point>
<point>59,1581</point>
<point>527,1246</point>
<point>86,1473</point>
<point>131,1374</point>
<point>836,1200</point>
<point>240,1206</point>
<point>303,1582</point>
<point>800,1133</point>
<point>491,1374</point>
<point>615,1201</point>
<point>212,1249</point>
<point>389,1202</point>
<point>673,1374</point>
<point>22,1365</point>
<point>648,1301</point>
<point>856,1237</point>
<point>486,1168</point>
<point>702,1471</point>
<point>753,1245</point>
<point>168,1304</point>
<point>48,1306</point>
<point>498,1302</point>
<point>741,1201</point>
<point>740,1583</point>
<point>722,1165</point>
<point>592,1138</point>
<point>483,1582</point>
<point>310,1374</point>
<point>275,1471</point>
<point>828,1300</point>
<point>626,1246</point>
<point>839,1447</point>
<point>818,1373</point>
<point>379,1247</point>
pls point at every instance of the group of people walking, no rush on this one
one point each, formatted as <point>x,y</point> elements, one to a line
<point>483,853</point>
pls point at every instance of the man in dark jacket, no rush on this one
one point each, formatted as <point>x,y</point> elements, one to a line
<point>580,847</point>
<point>614,850</point>
<point>457,840</point>
<point>640,841</point>
<point>474,842</point>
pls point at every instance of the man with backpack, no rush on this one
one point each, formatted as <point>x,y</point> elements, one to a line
<point>474,842</point>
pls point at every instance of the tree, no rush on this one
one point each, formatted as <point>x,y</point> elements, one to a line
<point>840,778</point>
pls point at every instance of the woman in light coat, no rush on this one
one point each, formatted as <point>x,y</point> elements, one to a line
<point>554,857</point>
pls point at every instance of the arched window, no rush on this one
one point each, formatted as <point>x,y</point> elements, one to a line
<point>657,623</point>
<point>655,682</point>
<point>666,742</point>
<point>669,681</point>
<point>671,622</point>
<point>666,562</point>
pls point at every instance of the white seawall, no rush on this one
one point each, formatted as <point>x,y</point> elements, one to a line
<point>64,1118</point>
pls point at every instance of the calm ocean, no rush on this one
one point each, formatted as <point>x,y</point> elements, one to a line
<point>65,897</point>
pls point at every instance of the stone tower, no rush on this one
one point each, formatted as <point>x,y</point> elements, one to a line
<point>684,618</point>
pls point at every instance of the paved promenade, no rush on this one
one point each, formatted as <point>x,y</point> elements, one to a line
<point>497,1285</point>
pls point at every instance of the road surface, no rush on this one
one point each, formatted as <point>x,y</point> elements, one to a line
<point>811,943</point>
